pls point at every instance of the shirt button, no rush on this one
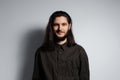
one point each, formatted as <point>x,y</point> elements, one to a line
<point>60,52</point>
<point>59,62</point>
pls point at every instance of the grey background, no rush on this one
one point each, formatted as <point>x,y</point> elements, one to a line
<point>96,26</point>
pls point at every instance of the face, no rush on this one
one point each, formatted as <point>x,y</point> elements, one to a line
<point>61,26</point>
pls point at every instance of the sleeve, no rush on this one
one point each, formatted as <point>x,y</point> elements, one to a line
<point>36,70</point>
<point>84,65</point>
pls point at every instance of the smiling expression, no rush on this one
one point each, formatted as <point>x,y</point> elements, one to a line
<point>61,26</point>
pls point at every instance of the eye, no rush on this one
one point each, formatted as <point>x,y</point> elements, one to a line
<point>55,24</point>
<point>64,24</point>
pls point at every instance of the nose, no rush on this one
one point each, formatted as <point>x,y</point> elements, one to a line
<point>60,27</point>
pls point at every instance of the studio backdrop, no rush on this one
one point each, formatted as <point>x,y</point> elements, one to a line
<point>96,27</point>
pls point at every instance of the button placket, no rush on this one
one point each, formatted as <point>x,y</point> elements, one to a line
<point>59,56</point>
<point>59,52</point>
<point>59,60</point>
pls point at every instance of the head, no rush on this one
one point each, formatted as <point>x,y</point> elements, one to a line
<point>59,28</point>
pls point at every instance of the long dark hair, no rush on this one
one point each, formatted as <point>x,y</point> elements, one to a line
<point>49,42</point>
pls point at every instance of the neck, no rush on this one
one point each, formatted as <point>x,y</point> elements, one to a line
<point>62,42</point>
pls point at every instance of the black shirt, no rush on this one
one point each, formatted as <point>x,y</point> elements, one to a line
<point>64,63</point>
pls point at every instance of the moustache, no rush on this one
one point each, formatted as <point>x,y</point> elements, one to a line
<point>59,31</point>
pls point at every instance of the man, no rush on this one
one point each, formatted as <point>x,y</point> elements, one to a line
<point>60,58</point>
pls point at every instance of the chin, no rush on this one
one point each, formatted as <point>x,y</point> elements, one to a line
<point>60,36</point>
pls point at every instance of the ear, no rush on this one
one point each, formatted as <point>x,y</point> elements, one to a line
<point>69,26</point>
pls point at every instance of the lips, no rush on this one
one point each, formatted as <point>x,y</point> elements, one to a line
<point>60,32</point>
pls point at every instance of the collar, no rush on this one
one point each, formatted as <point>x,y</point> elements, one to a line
<point>63,46</point>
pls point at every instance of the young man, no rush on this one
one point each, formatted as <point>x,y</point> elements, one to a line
<point>60,58</point>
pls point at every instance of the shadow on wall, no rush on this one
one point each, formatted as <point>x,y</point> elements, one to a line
<point>31,42</point>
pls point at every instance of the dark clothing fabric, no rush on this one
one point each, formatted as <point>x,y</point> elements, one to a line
<point>64,63</point>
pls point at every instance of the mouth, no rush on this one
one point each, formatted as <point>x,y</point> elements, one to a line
<point>60,32</point>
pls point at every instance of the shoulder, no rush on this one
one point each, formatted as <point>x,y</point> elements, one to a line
<point>79,47</point>
<point>81,50</point>
<point>38,51</point>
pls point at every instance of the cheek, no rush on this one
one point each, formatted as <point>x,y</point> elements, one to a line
<point>55,29</point>
<point>66,29</point>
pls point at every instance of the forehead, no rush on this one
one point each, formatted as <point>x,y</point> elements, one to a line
<point>60,19</point>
